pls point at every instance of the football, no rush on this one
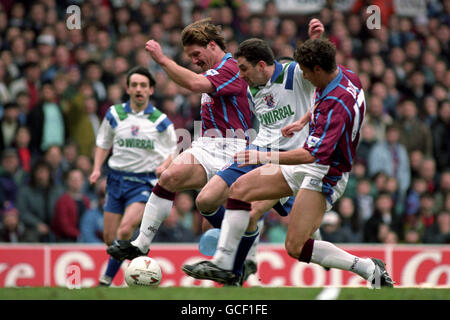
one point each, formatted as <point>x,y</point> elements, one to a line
<point>143,271</point>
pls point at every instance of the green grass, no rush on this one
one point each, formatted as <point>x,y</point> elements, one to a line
<point>143,293</point>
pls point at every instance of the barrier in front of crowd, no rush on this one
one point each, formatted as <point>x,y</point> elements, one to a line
<point>53,265</point>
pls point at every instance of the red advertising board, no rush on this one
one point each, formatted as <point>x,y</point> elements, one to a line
<point>66,265</point>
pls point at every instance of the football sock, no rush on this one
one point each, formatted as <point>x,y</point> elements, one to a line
<point>244,247</point>
<point>234,224</point>
<point>111,270</point>
<point>157,209</point>
<point>328,255</point>
<point>254,249</point>
<point>215,218</point>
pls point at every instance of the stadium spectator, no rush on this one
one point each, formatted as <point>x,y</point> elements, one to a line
<point>439,232</point>
<point>440,131</point>
<point>350,225</point>
<point>9,125</point>
<point>29,83</point>
<point>427,171</point>
<point>69,208</point>
<point>91,222</point>
<point>46,122</point>
<point>53,156</point>
<point>377,117</point>
<point>443,191</point>
<point>414,134</point>
<point>36,201</point>
<point>11,175</point>
<point>12,228</point>
<point>391,157</point>
<point>22,145</point>
<point>383,214</point>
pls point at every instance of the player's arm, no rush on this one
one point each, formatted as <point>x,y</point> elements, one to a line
<point>104,143</point>
<point>315,29</point>
<point>180,75</point>
<point>291,157</point>
<point>289,130</point>
<point>99,158</point>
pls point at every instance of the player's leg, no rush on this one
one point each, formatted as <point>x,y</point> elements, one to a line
<point>305,218</point>
<point>253,186</point>
<point>211,198</point>
<point>111,222</point>
<point>266,182</point>
<point>250,240</point>
<point>124,228</point>
<point>184,173</point>
<point>131,220</point>
<point>210,202</point>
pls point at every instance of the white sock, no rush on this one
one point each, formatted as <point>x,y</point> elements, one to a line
<point>157,209</point>
<point>254,249</point>
<point>234,224</point>
<point>328,255</point>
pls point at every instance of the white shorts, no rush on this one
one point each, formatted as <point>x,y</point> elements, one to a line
<point>309,176</point>
<point>214,153</point>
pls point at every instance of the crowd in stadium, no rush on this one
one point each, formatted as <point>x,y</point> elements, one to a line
<point>56,84</point>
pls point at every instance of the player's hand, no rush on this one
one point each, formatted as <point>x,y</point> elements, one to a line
<point>94,176</point>
<point>315,29</point>
<point>155,50</point>
<point>289,130</point>
<point>250,157</point>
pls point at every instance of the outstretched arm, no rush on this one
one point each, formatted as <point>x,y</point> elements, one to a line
<point>291,157</point>
<point>180,75</point>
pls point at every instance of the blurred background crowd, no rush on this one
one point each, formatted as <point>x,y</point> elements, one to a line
<point>56,84</point>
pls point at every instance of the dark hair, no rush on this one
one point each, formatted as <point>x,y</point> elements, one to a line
<point>255,50</point>
<point>40,163</point>
<point>317,52</point>
<point>142,71</point>
<point>201,33</point>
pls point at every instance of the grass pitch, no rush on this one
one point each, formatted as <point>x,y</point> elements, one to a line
<point>254,293</point>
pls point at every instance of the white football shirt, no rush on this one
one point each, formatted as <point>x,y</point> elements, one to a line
<point>285,98</point>
<point>140,142</point>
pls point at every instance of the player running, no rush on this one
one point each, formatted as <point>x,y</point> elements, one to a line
<point>278,95</point>
<point>225,117</point>
<point>317,173</point>
<point>143,141</point>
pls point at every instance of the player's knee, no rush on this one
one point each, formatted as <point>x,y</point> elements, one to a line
<point>293,248</point>
<point>205,202</point>
<point>238,191</point>
<point>169,180</point>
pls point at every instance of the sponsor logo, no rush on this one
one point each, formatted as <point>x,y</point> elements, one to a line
<point>276,115</point>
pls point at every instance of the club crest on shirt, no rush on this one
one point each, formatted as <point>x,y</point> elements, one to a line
<point>212,72</point>
<point>134,130</point>
<point>269,100</point>
<point>312,141</point>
